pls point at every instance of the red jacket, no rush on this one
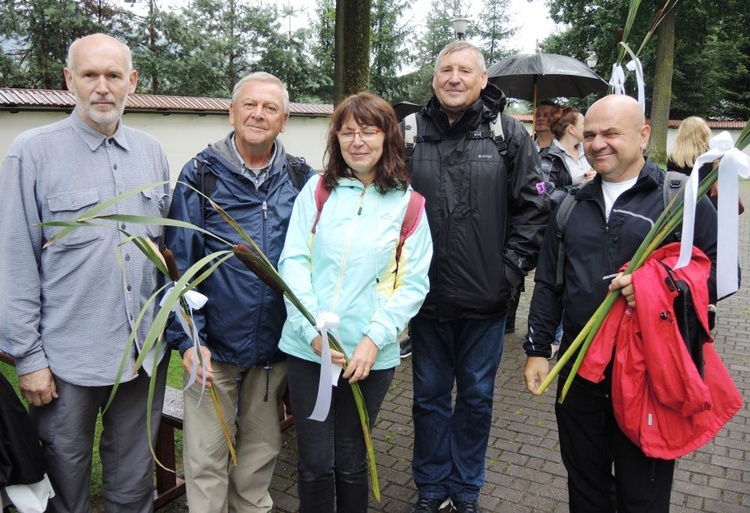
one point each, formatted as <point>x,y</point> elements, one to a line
<point>659,399</point>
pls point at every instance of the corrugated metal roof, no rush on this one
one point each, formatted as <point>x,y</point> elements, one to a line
<point>27,99</point>
<point>30,99</point>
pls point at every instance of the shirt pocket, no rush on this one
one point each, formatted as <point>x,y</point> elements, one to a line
<point>68,206</point>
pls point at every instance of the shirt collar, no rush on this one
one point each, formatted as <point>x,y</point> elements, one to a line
<point>265,167</point>
<point>95,139</point>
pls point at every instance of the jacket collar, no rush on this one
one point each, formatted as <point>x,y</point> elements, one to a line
<point>648,179</point>
<point>224,150</point>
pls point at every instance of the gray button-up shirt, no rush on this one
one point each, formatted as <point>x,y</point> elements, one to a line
<point>72,305</point>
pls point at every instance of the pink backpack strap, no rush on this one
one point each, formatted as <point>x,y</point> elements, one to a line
<point>411,220</point>
<point>321,196</point>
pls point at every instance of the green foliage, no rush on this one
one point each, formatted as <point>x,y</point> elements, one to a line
<point>38,34</point>
<point>321,46</point>
<point>388,50</point>
<point>495,30</point>
<point>712,49</point>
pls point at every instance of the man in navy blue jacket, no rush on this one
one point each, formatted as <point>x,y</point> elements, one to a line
<point>240,325</point>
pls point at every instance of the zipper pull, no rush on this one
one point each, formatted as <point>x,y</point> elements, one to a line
<point>265,210</point>
<point>361,201</point>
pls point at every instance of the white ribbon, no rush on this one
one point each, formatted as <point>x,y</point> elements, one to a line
<point>733,164</point>
<point>618,79</point>
<point>638,68</point>
<point>31,498</point>
<point>324,322</point>
<point>195,300</point>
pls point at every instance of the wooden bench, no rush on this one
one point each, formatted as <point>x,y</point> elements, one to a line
<point>168,485</point>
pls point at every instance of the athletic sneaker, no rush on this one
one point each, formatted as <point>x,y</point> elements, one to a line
<point>405,346</point>
<point>467,507</point>
<point>424,505</point>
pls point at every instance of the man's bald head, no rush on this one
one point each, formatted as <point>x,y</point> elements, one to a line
<point>615,135</point>
<point>625,106</point>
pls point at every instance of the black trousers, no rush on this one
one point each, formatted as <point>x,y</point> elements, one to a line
<point>331,455</point>
<point>592,446</point>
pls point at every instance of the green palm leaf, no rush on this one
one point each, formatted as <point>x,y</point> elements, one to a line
<point>253,258</point>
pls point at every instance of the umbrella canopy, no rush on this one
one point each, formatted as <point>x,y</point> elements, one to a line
<point>544,75</point>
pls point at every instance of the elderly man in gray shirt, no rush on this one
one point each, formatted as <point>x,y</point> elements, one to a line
<point>69,308</point>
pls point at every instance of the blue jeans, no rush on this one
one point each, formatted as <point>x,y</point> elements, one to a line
<point>450,442</point>
<point>558,335</point>
<point>331,455</point>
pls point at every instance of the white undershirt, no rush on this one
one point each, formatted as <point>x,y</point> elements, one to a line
<point>578,166</point>
<point>612,191</point>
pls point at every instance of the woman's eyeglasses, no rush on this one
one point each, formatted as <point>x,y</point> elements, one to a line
<point>367,135</point>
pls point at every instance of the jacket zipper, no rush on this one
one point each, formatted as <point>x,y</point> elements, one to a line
<point>345,254</point>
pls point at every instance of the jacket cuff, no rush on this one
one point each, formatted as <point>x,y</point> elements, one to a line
<point>379,334</point>
<point>186,344</point>
<point>541,350</point>
<point>309,333</point>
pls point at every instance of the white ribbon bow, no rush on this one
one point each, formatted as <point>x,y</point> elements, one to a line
<point>733,164</point>
<point>638,68</point>
<point>195,301</point>
<point>324,322</point>
<point>618,79</point>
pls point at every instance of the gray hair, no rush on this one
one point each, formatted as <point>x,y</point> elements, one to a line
<point>458,46</point>
<point>262,76</point>
<point>125,50</point>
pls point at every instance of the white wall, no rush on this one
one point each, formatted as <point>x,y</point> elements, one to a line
<point>183,135</point>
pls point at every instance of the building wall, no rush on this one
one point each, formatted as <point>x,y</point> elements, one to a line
<point>183,135</point>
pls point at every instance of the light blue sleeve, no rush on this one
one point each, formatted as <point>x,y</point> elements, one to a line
<point>412,285</point>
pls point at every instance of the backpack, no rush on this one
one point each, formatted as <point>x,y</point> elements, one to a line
<point>495,132</point>
<point>408,225</point>
<point>673,182</point>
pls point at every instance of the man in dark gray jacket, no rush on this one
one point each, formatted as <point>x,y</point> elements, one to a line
<point>487,212</point>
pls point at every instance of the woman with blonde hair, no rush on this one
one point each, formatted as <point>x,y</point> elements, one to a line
<point>691,141</point>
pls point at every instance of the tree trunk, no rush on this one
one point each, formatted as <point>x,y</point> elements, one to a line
<point>662,98</point>
<point>352,48</point>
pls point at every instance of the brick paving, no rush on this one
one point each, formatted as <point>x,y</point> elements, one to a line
<point>523,469</point>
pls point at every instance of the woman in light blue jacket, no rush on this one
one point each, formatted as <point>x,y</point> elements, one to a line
<point>349,267</point>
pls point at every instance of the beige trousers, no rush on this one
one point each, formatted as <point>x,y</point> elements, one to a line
<point>213,483</point>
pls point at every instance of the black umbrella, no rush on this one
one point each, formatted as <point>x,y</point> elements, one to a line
<point>544,75</point>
